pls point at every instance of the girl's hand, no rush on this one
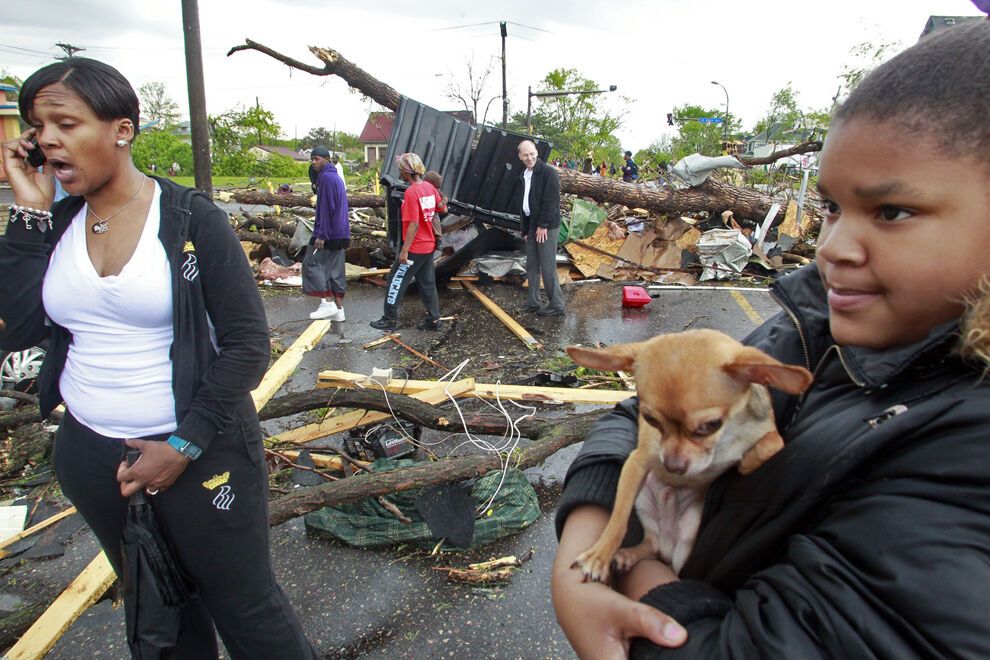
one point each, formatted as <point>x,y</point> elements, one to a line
<point>31,188</point>
<point>157,468</point>
<point>598,621</point>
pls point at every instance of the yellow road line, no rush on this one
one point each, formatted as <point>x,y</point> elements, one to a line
<point>746,307</point>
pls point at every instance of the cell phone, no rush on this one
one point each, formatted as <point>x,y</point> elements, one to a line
<point>36,157</point>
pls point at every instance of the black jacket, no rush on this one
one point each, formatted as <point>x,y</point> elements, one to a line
<point>544,198</point>
<point>867,536</point>
<point>212,285</point>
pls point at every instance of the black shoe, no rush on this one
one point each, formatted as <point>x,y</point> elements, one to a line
<point>384,324</point>
<point>530,309</point>
<point>546,311</point>
<point>428,324</point>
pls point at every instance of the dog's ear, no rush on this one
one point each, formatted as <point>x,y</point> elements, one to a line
<point>613,358</point>
<point>755,366</point>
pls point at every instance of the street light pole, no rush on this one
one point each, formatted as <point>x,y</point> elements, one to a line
<point>530,94</point>
<point>505,98</point>
<point>725,127</point>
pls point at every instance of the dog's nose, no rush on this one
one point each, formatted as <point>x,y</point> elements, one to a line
<point>676,463</point>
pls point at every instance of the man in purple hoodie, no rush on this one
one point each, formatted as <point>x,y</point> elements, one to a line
<point>323,266</point>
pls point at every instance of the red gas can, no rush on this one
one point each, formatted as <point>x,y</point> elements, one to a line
<point>634,296</point>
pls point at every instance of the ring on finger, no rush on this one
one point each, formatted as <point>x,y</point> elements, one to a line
<point>151,491</point>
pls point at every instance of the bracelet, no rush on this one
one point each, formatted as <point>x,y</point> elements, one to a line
<point>184,447</point>
<point>27,214</point>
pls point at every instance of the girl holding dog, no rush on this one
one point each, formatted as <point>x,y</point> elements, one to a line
<point>868,535</point>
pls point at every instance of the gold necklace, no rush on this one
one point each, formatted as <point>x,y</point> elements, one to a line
<point>103,225</point>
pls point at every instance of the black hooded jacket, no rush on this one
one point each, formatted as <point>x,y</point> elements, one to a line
<point>867,536</point>
<point>213,292</point>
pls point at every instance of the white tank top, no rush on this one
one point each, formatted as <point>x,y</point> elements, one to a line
<point>117,378</point>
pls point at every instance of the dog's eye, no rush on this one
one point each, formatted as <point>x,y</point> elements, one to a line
<point>652,421</point>
<point>708,428</point>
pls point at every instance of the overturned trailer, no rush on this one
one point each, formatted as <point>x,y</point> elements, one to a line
<point>480,168</point>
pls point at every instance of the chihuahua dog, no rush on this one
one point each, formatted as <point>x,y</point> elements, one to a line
<point>703,408</point>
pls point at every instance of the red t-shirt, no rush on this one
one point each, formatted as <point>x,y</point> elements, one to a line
<point>419,206</point>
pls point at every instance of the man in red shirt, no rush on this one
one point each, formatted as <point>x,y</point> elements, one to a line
<point>415,258</point>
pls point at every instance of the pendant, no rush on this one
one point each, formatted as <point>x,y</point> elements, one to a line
<point>101,227</point>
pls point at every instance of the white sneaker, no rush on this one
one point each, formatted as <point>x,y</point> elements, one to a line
<point>324,311</point>
<point>339,316</point>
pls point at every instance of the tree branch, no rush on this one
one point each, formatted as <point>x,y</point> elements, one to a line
<point>810,146</point>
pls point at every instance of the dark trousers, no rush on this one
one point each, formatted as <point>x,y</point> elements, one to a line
<point>216,518</point>
<point>541,259</point>
<point>399,279</point>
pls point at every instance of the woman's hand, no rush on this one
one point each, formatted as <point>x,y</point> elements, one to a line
<point>156,469</point>
<point>598,621</point>
<point>31,188</point>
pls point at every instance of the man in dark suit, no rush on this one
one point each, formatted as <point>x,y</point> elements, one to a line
<point>537,196</point>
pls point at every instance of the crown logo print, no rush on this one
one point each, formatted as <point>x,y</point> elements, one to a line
<point>217,480</point>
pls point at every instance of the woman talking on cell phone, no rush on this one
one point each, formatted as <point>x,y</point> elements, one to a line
<point>157,335</point>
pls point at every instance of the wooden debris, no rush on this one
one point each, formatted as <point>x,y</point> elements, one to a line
<point>509,322</point>
<point>381,340</point>
<point>437,393</point>
<point>394,510</point>
<point>421,356</point>
<point>10,540</point>
<point>483,390</point>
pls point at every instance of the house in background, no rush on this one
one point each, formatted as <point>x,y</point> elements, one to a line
<point>378,131</point>
<point>10,124</point>
<point>264,152</point>
<point>375,135</point>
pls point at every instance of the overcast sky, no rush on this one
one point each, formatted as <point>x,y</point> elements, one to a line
<point>660,54</point>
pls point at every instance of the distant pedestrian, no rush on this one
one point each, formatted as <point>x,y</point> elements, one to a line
<point>603,168</point>
<point>537,196</point>
<point>340,168</point>
<point>630,171</point>
<point>323,265</point>
<point>415,256</point>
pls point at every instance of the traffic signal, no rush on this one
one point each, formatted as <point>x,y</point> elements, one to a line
<point>670,119</point>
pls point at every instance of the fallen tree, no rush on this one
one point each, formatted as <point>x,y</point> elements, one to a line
<point>548,435</point>
<point>354,200</point>
<point>712,196</point>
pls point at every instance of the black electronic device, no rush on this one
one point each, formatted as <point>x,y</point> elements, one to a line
<point>383,441</point>
<point>36,157</point>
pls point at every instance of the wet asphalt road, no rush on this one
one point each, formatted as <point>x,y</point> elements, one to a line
<point>390,603</point>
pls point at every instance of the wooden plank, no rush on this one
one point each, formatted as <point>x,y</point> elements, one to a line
<point>380,341</point>
<point>284,367</point>
<point>10,540</point>
<point>327,461</point>
<point>435,393</point>
<point>376,272</point>
<point>80,594</point>
<point>484,390</point>
<point>98,576</point>
<point>509,322</point>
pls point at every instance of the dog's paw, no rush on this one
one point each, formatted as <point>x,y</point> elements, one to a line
<point>593,566</point>
<point>625,559</point>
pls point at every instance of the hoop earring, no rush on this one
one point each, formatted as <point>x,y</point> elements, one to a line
<point>121,143</point>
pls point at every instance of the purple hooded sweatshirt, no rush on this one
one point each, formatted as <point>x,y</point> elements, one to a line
<point>331,206</point>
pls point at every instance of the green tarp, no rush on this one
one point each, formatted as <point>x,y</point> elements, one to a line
<point>585,218</point>
<point>367,524</point>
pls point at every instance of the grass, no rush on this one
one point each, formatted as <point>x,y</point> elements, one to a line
<point>241,182</point>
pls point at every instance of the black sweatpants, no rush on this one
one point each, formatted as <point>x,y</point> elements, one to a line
<point>426,280</point>
<point>216,517</point>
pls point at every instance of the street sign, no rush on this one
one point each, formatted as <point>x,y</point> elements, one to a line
<point>710,120</point>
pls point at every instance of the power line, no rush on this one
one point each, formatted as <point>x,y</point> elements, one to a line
<point>27,50</point>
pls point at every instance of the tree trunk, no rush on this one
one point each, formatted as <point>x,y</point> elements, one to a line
<point>554,436</point>
<point>354,200</point>
<point>271,240</point>
<point>710,196</point>
<point>804,148</point>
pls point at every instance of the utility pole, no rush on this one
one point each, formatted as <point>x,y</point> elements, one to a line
<point>505,96</point>
<point>68,49</point>
<point>197,97</point>
<point>257,106</point>
<point>725,124</point>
